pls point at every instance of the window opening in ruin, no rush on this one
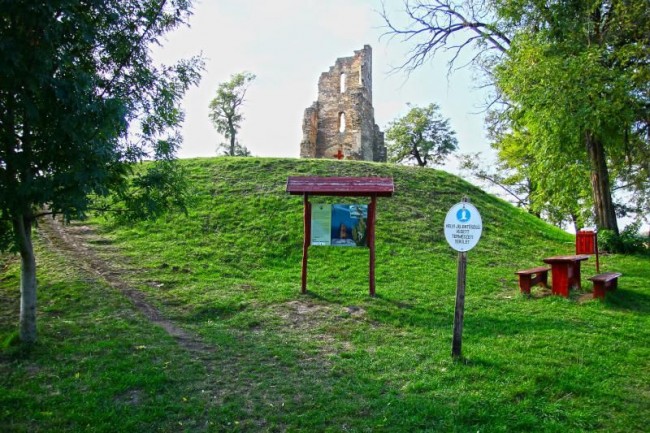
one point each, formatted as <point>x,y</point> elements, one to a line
<point>341,122</point>
<point>342,84</point>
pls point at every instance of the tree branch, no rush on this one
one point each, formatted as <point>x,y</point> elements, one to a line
<point>438,23</point>
<point>136,45</point>
<point>520,201</point>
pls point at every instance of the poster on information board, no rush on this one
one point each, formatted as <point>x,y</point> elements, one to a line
<point>342,225</point>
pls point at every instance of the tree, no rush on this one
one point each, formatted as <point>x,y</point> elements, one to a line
<point>586,76</point>
<point>76,80</point>
<point>571,77</point>
<point>562,198</point>
<point>225,111</point>
<point>422,135</point>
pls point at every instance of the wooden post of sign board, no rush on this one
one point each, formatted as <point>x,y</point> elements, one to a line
<point>372,212</point>
<point>306,241</point>
<point>459,312</point>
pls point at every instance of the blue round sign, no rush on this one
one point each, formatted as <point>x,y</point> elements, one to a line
<point>463,215</point>
<point>463,226</point>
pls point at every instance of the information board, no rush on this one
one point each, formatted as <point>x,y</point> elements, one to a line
<point>463,226</point>
<point>343,225</point>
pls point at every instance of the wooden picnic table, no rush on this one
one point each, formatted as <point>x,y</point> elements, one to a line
<point>565,273</point>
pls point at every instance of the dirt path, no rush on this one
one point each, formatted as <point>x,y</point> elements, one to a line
<point>73,242</point>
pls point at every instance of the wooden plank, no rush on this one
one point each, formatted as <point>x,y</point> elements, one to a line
<point>564,259</point>
<point>533,270</point>
<point>607,276</point>
<point>341,186</point>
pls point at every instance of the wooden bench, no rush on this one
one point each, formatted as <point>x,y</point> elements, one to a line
<point>604,282</point>
<point>530,277</point>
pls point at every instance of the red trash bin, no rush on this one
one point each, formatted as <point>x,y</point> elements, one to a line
<point>587,243</point>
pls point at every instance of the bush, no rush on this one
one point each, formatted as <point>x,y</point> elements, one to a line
<point>629,241</point>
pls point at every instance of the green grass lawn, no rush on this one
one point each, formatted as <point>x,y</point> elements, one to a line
<point>333,359</point>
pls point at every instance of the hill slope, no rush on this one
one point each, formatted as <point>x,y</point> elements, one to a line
<point>245,225</point>
<point>335,359</point>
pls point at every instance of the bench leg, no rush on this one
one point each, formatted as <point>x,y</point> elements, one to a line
<point>524,284</point>
<point>543,279</point>
<point>599,289</point>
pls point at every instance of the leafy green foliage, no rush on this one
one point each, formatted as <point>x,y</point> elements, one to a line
<point>568,89</point>
<point>629,241</point>
<point>75,78</point>
<point>422,135</point>
<point>151,192</point>
<point>81,101</point>
<point>7,241</point>
<point>570,115</point>
<point>225,111</point>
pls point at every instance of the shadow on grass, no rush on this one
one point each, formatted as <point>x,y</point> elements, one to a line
<point>12,349</point>
<point>211,312</point>
<point>555,315</point>
<point>628,300</point>
<point>397,303</point>
<point>313,295</point>
<point>479,323</point>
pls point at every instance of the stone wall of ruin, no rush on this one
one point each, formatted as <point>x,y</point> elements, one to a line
<point>341,123</point>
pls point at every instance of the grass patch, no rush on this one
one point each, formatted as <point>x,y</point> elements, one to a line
<point>334,359</point>
<point>97,364</point>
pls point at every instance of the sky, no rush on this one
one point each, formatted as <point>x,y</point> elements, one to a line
<point>287,44</point>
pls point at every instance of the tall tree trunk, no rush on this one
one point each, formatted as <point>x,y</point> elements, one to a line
<point>23,232</point>
<point>233,136</point>
<point>576,222</point>
<point>531,187</point>
<point>416,153</point>
<point>601,191</point>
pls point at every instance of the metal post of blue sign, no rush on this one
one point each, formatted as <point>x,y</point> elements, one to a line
<point>459,310</point>
<point>463,228</point>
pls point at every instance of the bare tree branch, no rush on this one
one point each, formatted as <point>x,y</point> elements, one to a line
<point>439,24</point>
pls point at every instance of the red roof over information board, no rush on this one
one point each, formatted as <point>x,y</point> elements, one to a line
<point>341,186</point>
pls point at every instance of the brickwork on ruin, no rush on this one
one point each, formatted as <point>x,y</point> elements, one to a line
<point>341,123</point>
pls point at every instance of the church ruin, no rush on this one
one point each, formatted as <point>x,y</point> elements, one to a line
<point>341,123</point>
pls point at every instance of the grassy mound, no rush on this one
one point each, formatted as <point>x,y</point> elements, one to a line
<point>335,359</point>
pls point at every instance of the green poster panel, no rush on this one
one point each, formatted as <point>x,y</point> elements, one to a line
<point>321,223</point>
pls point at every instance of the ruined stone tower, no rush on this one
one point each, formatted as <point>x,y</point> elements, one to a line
<point>341,123</point>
